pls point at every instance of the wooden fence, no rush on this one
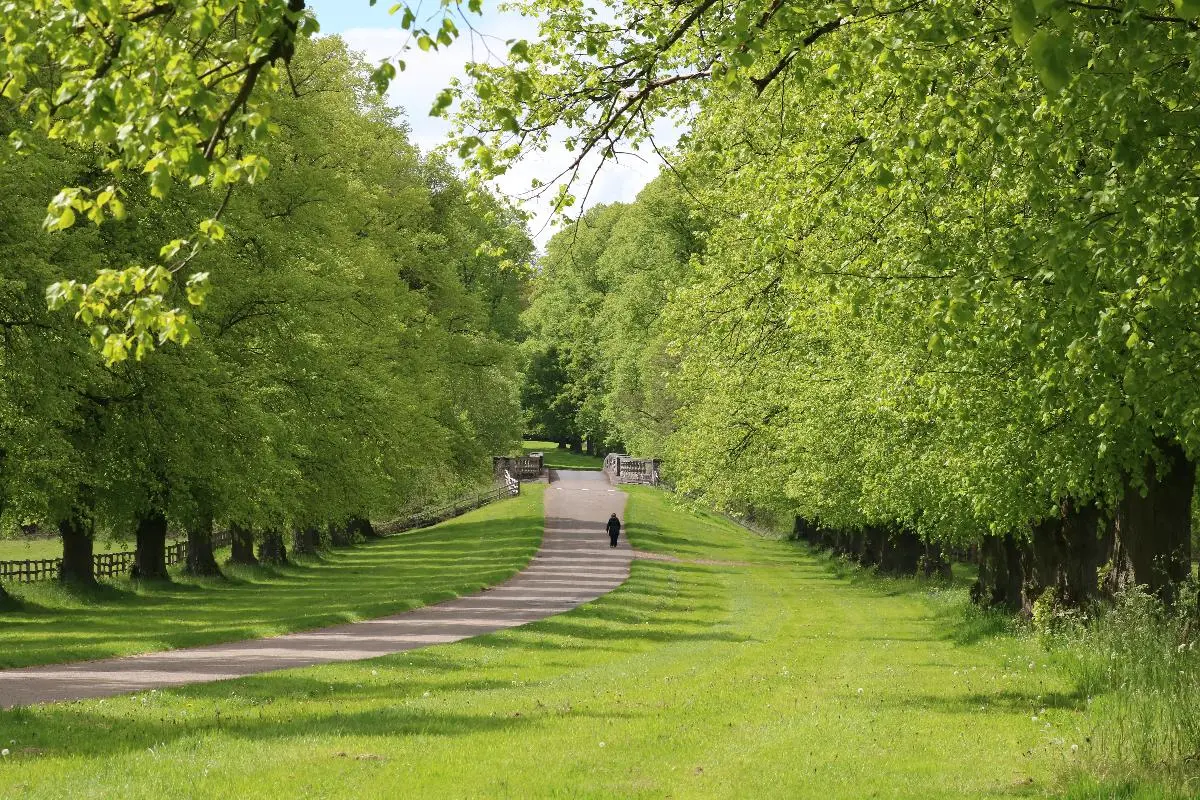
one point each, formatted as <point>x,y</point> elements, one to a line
<point>621,468</point>
<point>508,486</point>
<point>110,565</point>
<point>104,565</point>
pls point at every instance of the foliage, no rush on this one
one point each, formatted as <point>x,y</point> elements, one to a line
<point>181,92</point>
<point>946,272</point>
<point>358,360</point>
<point>596,306</point>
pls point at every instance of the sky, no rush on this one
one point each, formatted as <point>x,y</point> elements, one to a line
<point>375,33</point>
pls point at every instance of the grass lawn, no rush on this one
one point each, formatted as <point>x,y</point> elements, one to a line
<point>562,458</point>
<point>40,548</point>
<point>780,679</point>
<point>373,579</point>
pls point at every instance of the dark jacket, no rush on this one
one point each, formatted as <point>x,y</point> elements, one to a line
<point>613,526</point>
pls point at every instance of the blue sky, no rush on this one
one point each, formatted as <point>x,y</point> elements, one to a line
<point>338,15</point>
<point>371,30</point>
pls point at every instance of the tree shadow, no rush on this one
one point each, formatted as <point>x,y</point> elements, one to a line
<point>377,578</point>
<point>1003,701</point>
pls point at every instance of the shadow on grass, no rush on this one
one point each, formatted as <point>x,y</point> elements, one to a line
<point>318,713</point>
<point>385,696</point>
<point>1002,701</point>
<point>56,623</point>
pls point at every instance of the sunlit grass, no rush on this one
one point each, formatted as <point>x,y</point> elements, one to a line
<point>562,458</point>
<point>37,548</point>
<point>777,679</point>
<point>373,579</point>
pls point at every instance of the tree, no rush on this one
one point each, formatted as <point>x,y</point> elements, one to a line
<point>358,358</point>
<point>179,91</point>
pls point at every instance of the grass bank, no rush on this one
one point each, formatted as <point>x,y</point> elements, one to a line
<point>774,679</point>
<point>562,458</point>
<point>123,617</point>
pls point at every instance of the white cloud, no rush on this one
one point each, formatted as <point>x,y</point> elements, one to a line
<point>427,73</point>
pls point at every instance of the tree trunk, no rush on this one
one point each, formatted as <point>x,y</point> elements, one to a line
<point>150,556</point>
<point>271,549</point>
<point>591,446</point>
<point>306,541</point>
<point>362,527</point>
<point>78,562</point>
<point>241,546</point>
<point>1064,554</point>
<point>1000,575</point>
<point>902,552</point>
<point>872,544</point>
<point>822,537</point>
<point>200,558</point>
<point>934,564</point>
<point>802,530</point>
<point>1153,531</point>
<point>340,535</point>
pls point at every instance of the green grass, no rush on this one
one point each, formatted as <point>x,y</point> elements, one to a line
<point>781,679</point>
<point>562,458</point>
<point>373,579</point>
<point>41,548</point>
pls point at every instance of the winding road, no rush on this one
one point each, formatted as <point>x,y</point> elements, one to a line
<point>573,566</point>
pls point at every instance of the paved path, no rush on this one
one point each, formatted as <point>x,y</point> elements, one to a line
<point>573,566</point>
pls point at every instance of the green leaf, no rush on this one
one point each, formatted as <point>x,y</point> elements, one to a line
<point>1050,51</point>
<point>1024,20</point>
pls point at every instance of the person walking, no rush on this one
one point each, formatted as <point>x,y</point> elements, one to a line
<point>614,530</point>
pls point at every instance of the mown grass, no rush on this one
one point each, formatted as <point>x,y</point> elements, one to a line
<point>22,549</point>
<point>779,679</point>
<point>562,458</point>
<point>123,617</point>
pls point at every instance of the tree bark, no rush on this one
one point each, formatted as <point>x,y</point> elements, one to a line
<point>306,541</point>
<point>78,562</point>
<point>1000,574</point>
<point>1152,528</point>
<point>1064,554</point>
<point>340,535</point>
<point>362,526</point>
<point>934,564</point>
<point>200,558</point>
<point>802,530</point>
<point>902,553</point>
<point>871,545</point>
<point>271,549</point>
<point>150,555</point>
<point>241,546</point>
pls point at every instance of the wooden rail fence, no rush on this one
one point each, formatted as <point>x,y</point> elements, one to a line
<point>508,486</point>
<point>110,565</point>
<point>105,565</point>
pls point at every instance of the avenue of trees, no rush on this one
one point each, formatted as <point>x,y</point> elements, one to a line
<point>355,355</point>
<point>920,277</point>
